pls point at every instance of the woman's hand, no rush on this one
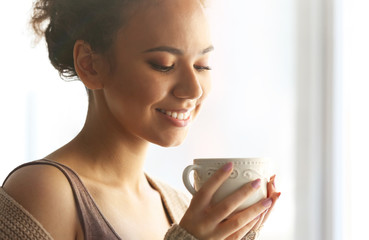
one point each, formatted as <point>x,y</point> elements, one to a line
<point>207,221</point>
<point>271,194</point>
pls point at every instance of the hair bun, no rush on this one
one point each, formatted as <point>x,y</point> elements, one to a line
<point>63,22</point>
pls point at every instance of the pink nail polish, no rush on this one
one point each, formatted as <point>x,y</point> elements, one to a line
<point>256,184</point>
<point>267,202</point>
<point>227,167</point>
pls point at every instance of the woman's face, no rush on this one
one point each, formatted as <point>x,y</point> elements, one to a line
<point>161,72</point>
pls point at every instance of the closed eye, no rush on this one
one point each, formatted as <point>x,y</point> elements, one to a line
<point>202,68</point>
<point>161,68</point>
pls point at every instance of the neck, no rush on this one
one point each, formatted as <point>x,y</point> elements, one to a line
<point>106,153</point>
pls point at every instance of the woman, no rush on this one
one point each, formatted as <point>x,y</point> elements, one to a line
<point>145,66</point>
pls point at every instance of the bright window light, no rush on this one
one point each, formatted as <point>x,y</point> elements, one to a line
<point>356,115</point>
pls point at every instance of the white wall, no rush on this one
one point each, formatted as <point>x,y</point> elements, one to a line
<point>39,112</point>
<point>355,72</point>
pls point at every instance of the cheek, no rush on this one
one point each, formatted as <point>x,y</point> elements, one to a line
<point>150,87</point>
<point>140,87</point>
<point>206,85</point>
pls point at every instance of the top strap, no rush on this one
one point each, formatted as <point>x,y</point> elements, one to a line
<point>94,224</point>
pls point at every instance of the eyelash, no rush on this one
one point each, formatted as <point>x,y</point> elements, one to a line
<point>162,68</point>
<point>165,69</point>
<point>202,68</point>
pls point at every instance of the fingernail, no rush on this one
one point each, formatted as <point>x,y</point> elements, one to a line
<point>256,184</point>
<point>278,194</point>
<point>227,167</point>
<point>267,202</point>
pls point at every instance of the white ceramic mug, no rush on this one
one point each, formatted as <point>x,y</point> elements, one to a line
<point>244,170</point>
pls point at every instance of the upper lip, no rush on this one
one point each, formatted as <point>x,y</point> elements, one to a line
<point>181,110</point>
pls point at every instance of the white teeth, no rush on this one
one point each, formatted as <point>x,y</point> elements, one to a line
<point>187,114</point>
<point>179,116</point>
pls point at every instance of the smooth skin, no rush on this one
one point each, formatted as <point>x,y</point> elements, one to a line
<point>160,60</point>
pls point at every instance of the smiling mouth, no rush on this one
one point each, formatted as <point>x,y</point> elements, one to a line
<point>176,115</point>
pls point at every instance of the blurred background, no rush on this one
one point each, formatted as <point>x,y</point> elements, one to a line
<point>290,83</point>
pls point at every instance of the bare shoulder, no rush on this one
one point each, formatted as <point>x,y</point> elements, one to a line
<point>45,193</point>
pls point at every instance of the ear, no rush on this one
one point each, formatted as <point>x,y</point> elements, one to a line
<point>89,66</point>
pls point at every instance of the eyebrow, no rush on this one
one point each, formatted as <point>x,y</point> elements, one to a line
<point>208,49</point>
<point>176,51</point>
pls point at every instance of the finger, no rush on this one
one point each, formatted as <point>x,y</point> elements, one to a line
<point>275,197</point>
<point>271,193</point>
<point>244,217</point>
<point>271,186</point>
<point>243,231</point>
<point>226,207</point>
<point>261,220</point>
<point>271,190</point>
<point>206,192</point>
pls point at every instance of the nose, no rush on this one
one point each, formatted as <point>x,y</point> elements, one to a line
<point>188,86</point>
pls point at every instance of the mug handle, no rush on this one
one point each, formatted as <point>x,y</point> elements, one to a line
<point>186,178</point>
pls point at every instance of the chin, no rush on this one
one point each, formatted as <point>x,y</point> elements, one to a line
<point>170,142</point>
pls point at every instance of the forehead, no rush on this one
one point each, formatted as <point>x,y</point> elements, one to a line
<point>178,23</point>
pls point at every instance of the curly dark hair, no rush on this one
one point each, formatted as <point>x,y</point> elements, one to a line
<point>63,22</point>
